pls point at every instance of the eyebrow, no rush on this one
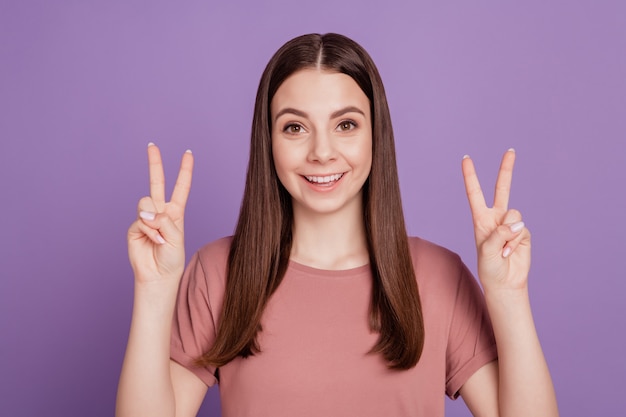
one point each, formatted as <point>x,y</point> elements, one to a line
<point>335,114</point>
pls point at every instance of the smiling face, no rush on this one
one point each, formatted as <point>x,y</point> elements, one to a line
<point>322,141</point>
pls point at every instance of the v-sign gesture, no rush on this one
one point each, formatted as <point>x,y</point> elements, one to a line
<point>502,240</point>
<point>156,239</point>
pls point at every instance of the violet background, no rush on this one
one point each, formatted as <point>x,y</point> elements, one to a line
<point>85,85</point>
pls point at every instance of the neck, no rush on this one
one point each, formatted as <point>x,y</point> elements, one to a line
<point>330,241</point>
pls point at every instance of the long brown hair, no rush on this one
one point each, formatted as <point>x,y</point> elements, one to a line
<point>261,245</point>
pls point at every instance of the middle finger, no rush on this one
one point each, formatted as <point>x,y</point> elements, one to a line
<point>503,183</point>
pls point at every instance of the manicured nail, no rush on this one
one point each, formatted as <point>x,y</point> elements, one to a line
<point>511,150</point>
<point>506,252</point>
<point>465,156</point>
<point>188,151</point>
<point>147,215</point>
<point>150,143</point>
<point>516,227</point>
<point>160,239</point>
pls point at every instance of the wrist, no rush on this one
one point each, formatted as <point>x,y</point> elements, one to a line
<point>507,301</point>
<point>507,296</point>
<point>156,296</point>
<point>505,293</point>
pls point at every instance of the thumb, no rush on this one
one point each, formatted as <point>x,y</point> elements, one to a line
<point>165,226</point>
<point>497,241</point>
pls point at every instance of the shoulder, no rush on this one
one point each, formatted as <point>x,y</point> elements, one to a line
<point>214,253</point>
<point>438,270</point>
<point>207,268</point>
<point>429,255</point>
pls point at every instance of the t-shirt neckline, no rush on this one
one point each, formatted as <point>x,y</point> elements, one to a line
<point>338,273</point>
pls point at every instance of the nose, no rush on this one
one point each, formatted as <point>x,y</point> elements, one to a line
<point>322,148</point>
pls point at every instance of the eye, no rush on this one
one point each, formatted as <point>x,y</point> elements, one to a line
<point>346,125</point>
<point>293,128</point>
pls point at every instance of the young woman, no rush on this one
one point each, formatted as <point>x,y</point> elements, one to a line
<point>320,304</point>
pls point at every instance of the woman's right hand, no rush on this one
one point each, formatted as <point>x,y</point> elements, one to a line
<point>156,239</point>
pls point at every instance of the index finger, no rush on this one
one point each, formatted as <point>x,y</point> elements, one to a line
<point>157,177</point>
<point>183,182</point>
<point>472,187</point>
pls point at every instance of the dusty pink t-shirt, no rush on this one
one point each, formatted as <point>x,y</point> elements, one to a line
<point>315,340</point>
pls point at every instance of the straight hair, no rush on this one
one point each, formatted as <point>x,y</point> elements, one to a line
<point>261,246</point>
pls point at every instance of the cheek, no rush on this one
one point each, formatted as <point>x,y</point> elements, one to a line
<point>363,157</point>
<point>276,153</point>
<point>281,161</point>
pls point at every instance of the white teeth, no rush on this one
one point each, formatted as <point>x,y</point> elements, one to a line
<point>323,180</point>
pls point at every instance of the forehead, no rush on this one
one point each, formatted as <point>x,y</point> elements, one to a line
<point>314,89</point>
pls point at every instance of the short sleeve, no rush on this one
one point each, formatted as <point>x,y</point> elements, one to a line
<point>471,343</point>
<point>193,327</point>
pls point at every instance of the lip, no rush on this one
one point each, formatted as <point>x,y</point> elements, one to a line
<point>324,185</point>
<point>322,178</point>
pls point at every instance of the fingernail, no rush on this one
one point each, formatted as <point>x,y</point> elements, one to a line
<point>147,215</point>
<point>160,239</point>
<point>506,252</point>
<point>465,156</point>
<point>516,227</point>
<point>511,150</point>
<point>150,143</point>
<point>188,151</point>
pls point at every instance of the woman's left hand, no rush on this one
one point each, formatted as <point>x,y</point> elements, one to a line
<point>502,240</point>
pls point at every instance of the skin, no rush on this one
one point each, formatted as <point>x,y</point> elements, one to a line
<point>314,135</point>
<point>321,126</point>
<point>312,138</point>
<point>519,383</point>
<point>150,383</point>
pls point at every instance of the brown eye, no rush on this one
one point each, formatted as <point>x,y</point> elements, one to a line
<point>346,125</point>
<point>293,128</point>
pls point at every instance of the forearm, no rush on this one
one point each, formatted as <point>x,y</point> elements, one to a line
<point>525,385</point>
<point>145,387</point>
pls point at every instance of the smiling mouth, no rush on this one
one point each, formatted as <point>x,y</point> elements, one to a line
<point>323,180</point>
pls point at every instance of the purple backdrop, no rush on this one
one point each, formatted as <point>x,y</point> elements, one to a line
<point>85,85</point>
